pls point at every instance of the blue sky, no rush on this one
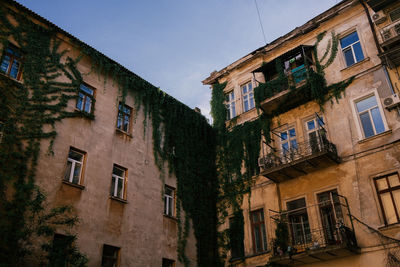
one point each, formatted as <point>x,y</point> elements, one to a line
<point>175,44</point>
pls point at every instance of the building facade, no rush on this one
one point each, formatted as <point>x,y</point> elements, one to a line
<point>329,167</point>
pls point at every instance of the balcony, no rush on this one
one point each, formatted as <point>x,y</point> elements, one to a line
<point>316,233</point>
<point>391,44</point>
<point>377,5</point>
<point>282,76</point>
<point>283,164</point>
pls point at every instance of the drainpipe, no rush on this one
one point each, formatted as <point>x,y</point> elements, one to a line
<point>378,47</point>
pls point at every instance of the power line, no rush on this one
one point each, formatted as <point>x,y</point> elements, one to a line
<point>259,19</point>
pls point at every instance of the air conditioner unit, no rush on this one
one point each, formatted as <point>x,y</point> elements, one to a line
<point>379,17</point>
<point>391,101</point>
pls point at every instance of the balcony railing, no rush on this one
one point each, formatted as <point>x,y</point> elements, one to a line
<point>319,232</point>
<point>390,32</point>
<point>299,159</point>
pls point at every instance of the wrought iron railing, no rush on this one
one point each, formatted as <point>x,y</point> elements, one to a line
<point>279,157</point>
<point>327,223</point>
<point>391,31</point>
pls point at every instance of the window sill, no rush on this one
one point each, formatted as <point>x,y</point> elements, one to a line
<point>123,132</point>
<point>84,114</point>
<point>375,136</point>
<point>170,217</point>
<point>9,77</point>
<point>73,185</point>
<point>356,64</point>
<point>119,199</point>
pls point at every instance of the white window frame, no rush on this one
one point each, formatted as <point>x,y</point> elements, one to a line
<point>117,178</point>
<point>229,103</point>
<point>73,164</point>
<point>347,33</point>
<point>169,199</point>
<point>286,154</point>
<point>356,116</point>
<point>317,128</point>
<point>248,96</point>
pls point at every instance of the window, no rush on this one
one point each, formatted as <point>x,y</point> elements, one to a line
<point>11,62</point>
<point>248,96</point>
<point>124,117</point>
<point>351,48</point>
<point>331,214</point>
<point>370,116</point>
<point>85,98</point>
<point>169,201</point>
<point>258,230</point>
<point>168,263</point>
<point>230,105</point>
<point>74,166</point>
<point>289,143</point>
<point>388,190</point>
<point>118,182</point>
<point>61,250</point>
<point>236,235</point>
<point>110,256</point>
<point>298,222</point>
<point>316,133</point>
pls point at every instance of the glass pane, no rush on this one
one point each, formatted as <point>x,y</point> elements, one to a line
<point>68,171</point>
<point>382,184</point>
<point>292,133</point>
<point>378,122</point>
<point>232,95</point>
<point>396,197</point>
<point>251,100</point>
<point>358,51</point>
<point>285,147</point>
<point>77,173</point>
<point>366,103</point>
<point>311,125</point>
<point>5,63</point>
<point>86,89</point>
<point>119,121</point>
<point>283,135</point>
<point>165,205</point>
<point>293,144</point>
<point>246,104</point>
<point>349,39</point>
<point>227,98</point>
<point>388,208</point>
<point>264,237</point>
<point>79,101</point>
<point>126,123</point>
<point>170,208</point>
<point>14,69</point>
<point>233,110</point>
<point>366,124</point>
<point>255,217</point>
<point>75,155</point>
<point>88,104</point>
<point>244,89</point>
<point>348,55</point>
<point>118,172</point>
<point>168,191</point>
<point>250,86</point>
<point>257,237</point>
<point>112,186</point>
<point>119,189</point>
<point>394,180</point>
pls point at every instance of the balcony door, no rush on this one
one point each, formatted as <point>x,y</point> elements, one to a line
<point>316,134</point>
<point>331,215</point>
<point>298,222</point>
<point>289,145</point>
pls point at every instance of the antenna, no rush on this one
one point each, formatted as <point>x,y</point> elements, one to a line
<point>259,19</point>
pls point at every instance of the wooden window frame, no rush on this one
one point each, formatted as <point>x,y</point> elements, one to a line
<point>253,225</point>
<point>124,182</point>
<point>388,190</point>
<point>73,162</point>
<point>12,57</point>
<point>86,96</point>
<point>121,127</point>
<point>117,259</point>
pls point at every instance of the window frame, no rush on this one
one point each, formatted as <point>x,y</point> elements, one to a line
<point>292,149</point>
<point>249,95</point>
<point>230,102</point>
<point>389,190</point>
<point>168,198</point>
<point>124,179</point>
<point>168,262</point>
<point>116,258</point>
<point>70,180</point>
<point>344,35</point>
<point>121,127</point>
<point>12,57</point>
<point>264,245</point>
<point>86,96</point>
<point>359,127</point>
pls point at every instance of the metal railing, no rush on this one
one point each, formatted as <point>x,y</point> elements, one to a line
<point>327,223</point>
<point>279,157</point>
<point>390,31</point>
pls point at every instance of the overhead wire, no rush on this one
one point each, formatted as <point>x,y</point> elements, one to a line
<point>259,19</point>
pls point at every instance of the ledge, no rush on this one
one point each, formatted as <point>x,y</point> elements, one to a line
<point>375,136</point>
<point>170,217</point>
<point>258,254</point>
<point>123,132</point>
<point>119,199</point>
<point>356,64</point>
<point>389,227</point>
<point>73,185</point>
